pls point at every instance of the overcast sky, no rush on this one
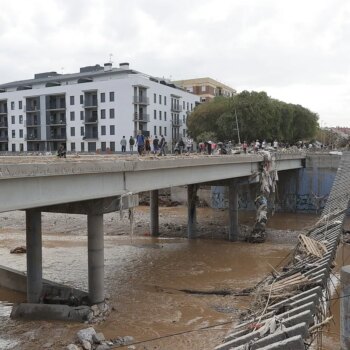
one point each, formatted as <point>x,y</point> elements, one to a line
<point>297,51</point>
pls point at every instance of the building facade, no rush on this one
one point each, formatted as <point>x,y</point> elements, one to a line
<point>206,88</point>
<point>90,110</point>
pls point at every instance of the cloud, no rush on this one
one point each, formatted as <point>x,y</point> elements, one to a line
<point>279,45</point>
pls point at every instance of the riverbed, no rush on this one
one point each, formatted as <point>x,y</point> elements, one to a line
<point>144,276</point>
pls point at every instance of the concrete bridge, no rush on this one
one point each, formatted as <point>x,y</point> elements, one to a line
<point>95,185</point>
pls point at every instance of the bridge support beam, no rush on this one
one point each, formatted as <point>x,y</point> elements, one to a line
<point>233,211</point>
<point>34,255</point>
<point>95,258</point>
<point>191,208</point>
<point>345,308</point>
<point>154,211</point>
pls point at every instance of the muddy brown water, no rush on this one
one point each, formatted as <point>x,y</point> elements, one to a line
<point>144,276</point>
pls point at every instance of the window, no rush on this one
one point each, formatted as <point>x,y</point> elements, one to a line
<point>155,130</point>
<point>160,130</point>
<point>81,115</point>
<point>103,146</point>
<point>72,146</point>
<point>12,105</point>
<point>21,147</point>
<point>103,114</point>
<point>184,132</point>
<point>13,133</point>
<point>81,131</point>
<point>112,146</point>
<point>21,119</point>
<point>160,115</point>
<point>19,104</point>
<point>111,96</point>
<point>81,99</point>
<point>165,100</point>
<point>103,130</point>
<point>111,130</point>
<point>183,104</point>
<point>111,113</point>
<point>183,118</point>
<point>164,130</point>
<point>13,148</point>
<point>191,106</point>
<point>13,119</point>
<point>155,98</point>
<point>204,88</point>
<point>154,114</point>
<point>82,147</point>
<point>165,115</point>
<point>103,97</point>
<point>160,99</point>
<point>21,133</point>
<point>72,131</point>
<point>71,100</point>
<point>187,106</point>
<point>72,116</point>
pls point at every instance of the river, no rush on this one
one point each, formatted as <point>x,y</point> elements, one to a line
<point>144,276</point>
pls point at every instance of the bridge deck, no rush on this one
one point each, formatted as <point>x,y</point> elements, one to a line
<point>294,300</point>
<point>30,182</point>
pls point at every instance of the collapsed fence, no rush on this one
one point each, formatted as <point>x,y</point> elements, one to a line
<point>291,305</point>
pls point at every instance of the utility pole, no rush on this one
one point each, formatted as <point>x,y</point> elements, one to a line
<point>237,128</point>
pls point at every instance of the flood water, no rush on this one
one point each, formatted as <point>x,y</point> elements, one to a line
<point>144,277</point>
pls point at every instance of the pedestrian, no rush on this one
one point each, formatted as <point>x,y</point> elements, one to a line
<point>275,145</point>
<point>123,144</point>
<point>257,146</point>
<point>147,145</point>
<point>61,152</point>
<point>155,145</point>
<point>162,146</point>
<point>263,145</point>
<point>181,145</point>
<point>245,146</point>
<point>189,145</point>
<point>131,144</point>
<point>140,140</point>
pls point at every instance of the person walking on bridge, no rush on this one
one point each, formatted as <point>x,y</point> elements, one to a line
<point>123,144</point>
<point>140,140</point>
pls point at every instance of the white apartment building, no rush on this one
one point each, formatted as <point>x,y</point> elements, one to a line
<point>90,110</point>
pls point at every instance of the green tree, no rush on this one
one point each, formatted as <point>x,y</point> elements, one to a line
<point>259,117</point>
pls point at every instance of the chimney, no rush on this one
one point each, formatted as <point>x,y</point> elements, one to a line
<point>108,67</point>
<point>124,65</point>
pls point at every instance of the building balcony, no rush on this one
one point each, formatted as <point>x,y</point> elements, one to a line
<point>91,137</point>
<point>31,124</point>
<point>32,109</point>
<point>54,107</point>
<point>57,137</point>
<point>3,125</point>
<point>176,123</point>
<point>32,137</point>
<point>176,109</point>
<point>142,100</point>
<point>141,118</point>
<point>91,121</point>
<point>54,122</point>
<point>4,138</point>
<point>2,112</point>
<point>90,104</point>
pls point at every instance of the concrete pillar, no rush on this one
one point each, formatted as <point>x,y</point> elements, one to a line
<point>154,208</point>
<point>191,208</point>
<point>34,256</point>
<point>95,258</point>
<point>233,211</point>
<point>345,308</point>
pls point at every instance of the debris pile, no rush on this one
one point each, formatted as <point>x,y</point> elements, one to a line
<point>89,339</point>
